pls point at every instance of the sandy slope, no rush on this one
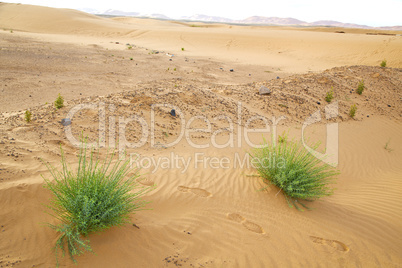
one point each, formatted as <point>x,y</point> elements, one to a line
<point>291,50</point>
<point>201,216</point>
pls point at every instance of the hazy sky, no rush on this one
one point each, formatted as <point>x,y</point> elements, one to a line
<point>368,12</point>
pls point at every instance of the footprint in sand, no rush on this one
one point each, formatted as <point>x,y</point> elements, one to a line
<point>146,182</point>
<point>196,191</point>
<point>332,243</point>
<point>251,226</point>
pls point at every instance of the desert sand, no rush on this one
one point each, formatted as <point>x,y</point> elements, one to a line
<point>201,216</point>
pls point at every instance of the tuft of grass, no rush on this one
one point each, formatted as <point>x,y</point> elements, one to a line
<point>360,87</point>
<point>330,95</point>
<point>352,110</point>
<point>282,138</point>
<point>386,147</point>
<point>282,105</point>
<point>383,63</point>
<point>59,102</point>
<point>129,47</point>
<point>95,197</point>
<point>182,49</point>
<point>174,69</point>
<point>28,116</point>
<point>131,58</point>
<point>11,31</point>
<point>298,174</point>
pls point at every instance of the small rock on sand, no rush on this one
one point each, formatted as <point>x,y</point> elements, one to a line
<point>264,90</point>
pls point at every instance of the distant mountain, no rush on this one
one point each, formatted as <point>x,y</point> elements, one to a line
<point>200,17</point>
<point>119,13</point>
<point>157,16</point>
<point>251,20</point>
<point>338,24</point>
<point>273,20</point>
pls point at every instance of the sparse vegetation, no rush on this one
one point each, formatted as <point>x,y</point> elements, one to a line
<point>283,138</point>
<point>131,58</point>
<point>182,49</point>
<point>95,197</point>
<point>383,63</point>
<point>59,102</point>
<point>360,87</point>
<point>28,116</point>
<point>129,47</point>
<point>330,95</point>
<point>386,147</point>
<point>174,69</point>
<point>11,31</point>
<point>296,172</point>
<point>352,110</point>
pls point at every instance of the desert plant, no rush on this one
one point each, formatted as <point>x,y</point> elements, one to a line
<point>28,116</point>
<point>360,87</point>
<point>297,173</point>
<point>383,63</point>
<point>131,58</point>
<point>352,110</point>
<point>182,49</point>
<point>282,138</point>
<point>386,147</point>
<point>129,47</point>
<point>95,197</point>
<point>59,102</point>
<point>330,95</point>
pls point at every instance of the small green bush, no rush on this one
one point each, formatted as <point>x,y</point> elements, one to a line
<point>296,172</point>
<point>360,87</point>
<point>95,197</point>
<point>182,49</point>
<point>28,116</point>
<point>383,63</point>
<point>330,95</point>
<point>352,110</point>
<point>59,102</point>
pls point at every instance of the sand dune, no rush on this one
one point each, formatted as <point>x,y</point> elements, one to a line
<point>201,216</point>
<point>293,50</point>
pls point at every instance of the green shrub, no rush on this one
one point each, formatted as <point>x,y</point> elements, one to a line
<point>28,116</point>
<point>59,102</point>
<point>360,87</point>
<point>93,198</point>
<point>296,172</point>
<point>182,49</point>
<point>383,63</point>
<point>330,95</point>
<point>352,110</point>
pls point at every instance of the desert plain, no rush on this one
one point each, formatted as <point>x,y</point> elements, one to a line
<point>202,212</point>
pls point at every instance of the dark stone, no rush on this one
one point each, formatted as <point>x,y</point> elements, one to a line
<point>318,102</point>
<point>389,105</point>
<point>231,70</point>
<point>368,116</point>
<point>65,122</point>
<point>277,77</point>
<point>173,112</point>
